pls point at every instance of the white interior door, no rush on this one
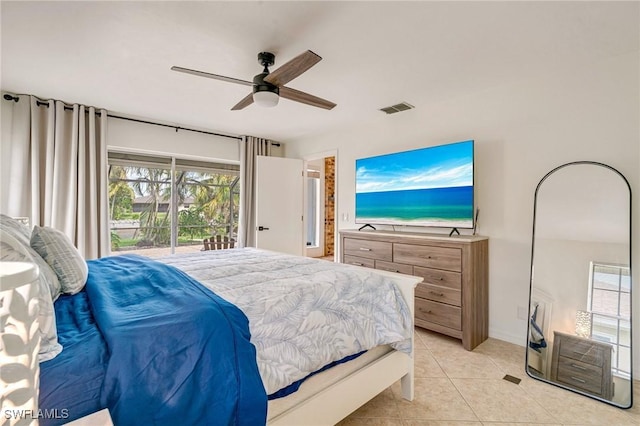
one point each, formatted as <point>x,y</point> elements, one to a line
<point>279,204</point>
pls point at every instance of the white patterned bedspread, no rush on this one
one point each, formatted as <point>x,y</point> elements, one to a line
<point>303,313</point>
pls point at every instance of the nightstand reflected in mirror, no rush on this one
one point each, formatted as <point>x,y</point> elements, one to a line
<point>582,364</point>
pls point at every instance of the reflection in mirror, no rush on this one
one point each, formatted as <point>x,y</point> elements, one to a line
<point>579,334</point>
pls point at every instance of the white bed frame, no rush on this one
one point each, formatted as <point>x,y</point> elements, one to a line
<point>337,401</point>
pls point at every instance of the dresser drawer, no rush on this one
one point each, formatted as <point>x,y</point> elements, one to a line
<point>359,261</point>
<point>370,249</point>
<point>580,375</point>
<point>439,294</point>
<point>438,313</point>
<point>583,350</point>
<point>428,256</point>
<point>439,277</point>
<point>394,267</point>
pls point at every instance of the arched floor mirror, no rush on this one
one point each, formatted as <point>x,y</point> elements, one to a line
<point>579,334</point>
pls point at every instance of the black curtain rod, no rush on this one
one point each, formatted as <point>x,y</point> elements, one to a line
<point>174,127</point>
<point>181,128</point>
<point>8,97</point>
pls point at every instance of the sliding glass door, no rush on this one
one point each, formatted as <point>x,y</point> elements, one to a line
<point>162,205</point>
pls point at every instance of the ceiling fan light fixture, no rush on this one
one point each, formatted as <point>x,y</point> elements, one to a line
<point>269,86</point>
<point>266,98</point>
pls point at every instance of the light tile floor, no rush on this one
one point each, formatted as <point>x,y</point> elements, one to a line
<point>457,387</point>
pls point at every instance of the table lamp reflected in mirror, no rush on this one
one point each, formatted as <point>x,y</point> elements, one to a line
<point>583,324</point>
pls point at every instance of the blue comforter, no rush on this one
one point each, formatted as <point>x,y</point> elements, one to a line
<point>178,354</point>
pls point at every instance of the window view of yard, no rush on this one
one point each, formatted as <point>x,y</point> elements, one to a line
<point>153,210</point>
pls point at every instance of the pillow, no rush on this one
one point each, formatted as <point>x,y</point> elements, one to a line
<point>22,234</point>
<point>60,253</point>
<point>15,228</point>
<point>11,249</point>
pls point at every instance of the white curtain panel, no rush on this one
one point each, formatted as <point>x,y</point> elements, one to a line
<point>57,170</point>
<point>250,148</point>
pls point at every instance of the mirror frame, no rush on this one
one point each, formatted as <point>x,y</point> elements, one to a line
<point>533,238</point>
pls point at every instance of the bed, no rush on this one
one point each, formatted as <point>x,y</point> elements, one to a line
<point>330,396</point>
<point>107,339</point>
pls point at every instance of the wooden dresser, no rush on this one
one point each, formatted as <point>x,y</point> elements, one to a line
<point>582,364</point>
<point>454,296</point>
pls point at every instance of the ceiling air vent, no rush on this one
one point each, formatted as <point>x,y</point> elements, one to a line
<point>403,106</point>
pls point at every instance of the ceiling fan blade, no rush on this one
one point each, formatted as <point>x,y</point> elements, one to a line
<point>214,76</point>
<point>245,102</point>
<point>305,98</point>
<point>293,68</point>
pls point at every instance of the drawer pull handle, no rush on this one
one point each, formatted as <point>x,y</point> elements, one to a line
<point>357,264</point>
<point>578,367</point>
<point>365,249</point>
<point>578,380</point>
<point>436,293</point>
<point>441,278</point>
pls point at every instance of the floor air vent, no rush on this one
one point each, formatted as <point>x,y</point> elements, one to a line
<point>511,379</point>
<point>397,108</point>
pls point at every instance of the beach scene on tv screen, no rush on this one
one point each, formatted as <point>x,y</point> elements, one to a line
<point>423,187</point>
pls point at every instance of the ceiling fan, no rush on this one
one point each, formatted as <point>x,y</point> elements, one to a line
<point>268,87</point>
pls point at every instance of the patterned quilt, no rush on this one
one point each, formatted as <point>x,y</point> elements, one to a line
<point>303,313</point>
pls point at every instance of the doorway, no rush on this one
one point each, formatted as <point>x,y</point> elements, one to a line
<point>320,206</point>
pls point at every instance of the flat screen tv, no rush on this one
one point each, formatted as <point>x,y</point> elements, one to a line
<point>430,186</point>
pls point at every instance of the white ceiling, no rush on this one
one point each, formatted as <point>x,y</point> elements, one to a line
<point>117,55</point>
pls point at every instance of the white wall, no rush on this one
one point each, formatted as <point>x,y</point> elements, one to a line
<point>522,131</point>
<point>132,136</point>
<point>140,137</point>
<point>562,272</point>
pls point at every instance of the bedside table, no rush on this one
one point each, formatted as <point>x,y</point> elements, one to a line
<point>582,364</point>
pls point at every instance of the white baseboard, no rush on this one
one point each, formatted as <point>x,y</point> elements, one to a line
<point>516,339</point>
